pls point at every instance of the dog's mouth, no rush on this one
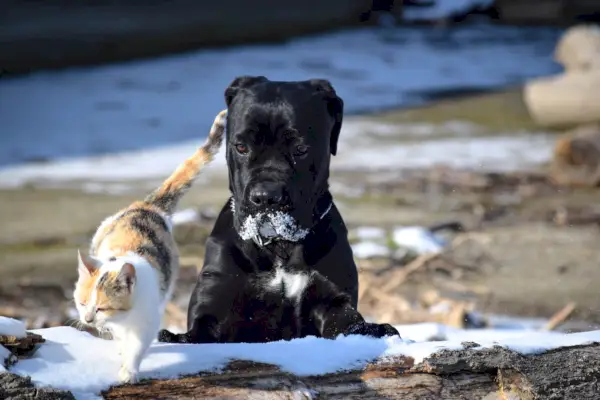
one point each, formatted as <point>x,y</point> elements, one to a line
<point>266,226</point>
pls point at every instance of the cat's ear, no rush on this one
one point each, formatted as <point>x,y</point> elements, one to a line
<point>87,264</point>
<point>126,276</point>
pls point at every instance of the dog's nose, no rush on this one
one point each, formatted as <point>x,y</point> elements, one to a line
<point>266,194</point>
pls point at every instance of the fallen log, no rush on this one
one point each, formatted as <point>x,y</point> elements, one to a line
<point>471,373</point>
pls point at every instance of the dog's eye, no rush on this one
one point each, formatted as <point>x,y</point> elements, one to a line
<point>301,150</point>
<point>100,309</point>
<point>241,148</point>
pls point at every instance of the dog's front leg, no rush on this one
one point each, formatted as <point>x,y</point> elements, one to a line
<point>220,282</point>
<point>331,311</point>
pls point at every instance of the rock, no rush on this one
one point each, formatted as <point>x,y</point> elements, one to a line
<point>22,347</point>
<point>565,100</point>
<point>579,48</point>
<point>15,387</point>
<point>576,158</point>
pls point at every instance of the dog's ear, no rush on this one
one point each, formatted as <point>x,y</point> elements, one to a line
<point>335,106</point>
<point>241,82</point>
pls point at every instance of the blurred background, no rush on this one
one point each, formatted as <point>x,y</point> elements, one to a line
<point>471,204</point>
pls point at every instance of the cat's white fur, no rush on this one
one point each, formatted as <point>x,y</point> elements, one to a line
<point>133,330</point>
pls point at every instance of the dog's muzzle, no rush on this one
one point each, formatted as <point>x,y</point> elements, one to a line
<point>265,227</point>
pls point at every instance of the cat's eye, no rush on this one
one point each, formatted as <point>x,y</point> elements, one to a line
<point>301,150</point>
<point>82,304</point>
<point>100,309</point>
<point>242,148</point>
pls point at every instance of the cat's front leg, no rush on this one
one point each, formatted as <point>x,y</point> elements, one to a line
<point>133,350</point>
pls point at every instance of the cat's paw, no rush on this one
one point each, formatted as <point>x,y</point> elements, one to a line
<point>127,376</point>
<point>374,330</point>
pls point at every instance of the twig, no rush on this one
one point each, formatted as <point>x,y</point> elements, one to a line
<point>559,317</point>
<point>411,267</point>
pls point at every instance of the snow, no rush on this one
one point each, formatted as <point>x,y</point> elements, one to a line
<point>505,151</point>
<point>150,164</point>
<point>271,225</point>
<point>12,327</point>
<point>418,239</point>
<point>369,233</point>
<point>443,9</point>
<point>369,249</point>
<point>76,361</point>
<point>4,354</point>
<point>185,216</point>
<point>114,173</point>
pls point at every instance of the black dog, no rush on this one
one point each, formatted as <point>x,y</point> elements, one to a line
<point>278,264</point>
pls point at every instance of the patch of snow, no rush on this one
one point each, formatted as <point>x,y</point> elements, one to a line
<point>4,355</point>
<point>12,327</point>
<point>112,173</point>
<point>186,216</point>
<point>515,323</point>
<point>502,152</point>
<point>441,307</point>
<point>369,233</point>
<point>418,239</point>
<point>368,127</point>
<point>77,361</point>
<point>443,9</point>
<point>367,249</point>
<point>156,164</point>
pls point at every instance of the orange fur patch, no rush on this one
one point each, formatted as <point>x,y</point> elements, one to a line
<point>185,172</point>
<point>86,286</point>
<point>111,305</point>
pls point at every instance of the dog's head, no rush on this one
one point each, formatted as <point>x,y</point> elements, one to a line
<point>280,136</point>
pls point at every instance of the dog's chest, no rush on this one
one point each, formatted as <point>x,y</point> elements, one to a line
<point>290,284</point>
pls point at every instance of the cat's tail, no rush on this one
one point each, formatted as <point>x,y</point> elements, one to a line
<point>168,194</point>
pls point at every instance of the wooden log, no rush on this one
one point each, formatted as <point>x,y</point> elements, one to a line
<point>495,373</point>
<point>564,100</point>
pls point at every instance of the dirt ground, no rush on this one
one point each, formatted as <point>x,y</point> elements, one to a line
<point>543,240</point>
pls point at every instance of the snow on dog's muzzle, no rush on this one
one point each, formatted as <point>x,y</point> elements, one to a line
<point>264,228</point>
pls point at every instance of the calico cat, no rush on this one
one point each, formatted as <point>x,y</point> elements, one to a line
<point>126,281</point>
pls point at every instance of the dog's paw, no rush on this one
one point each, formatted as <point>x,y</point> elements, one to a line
<point>374,330</point>
<point>127,376</point>
<point>165,336</point>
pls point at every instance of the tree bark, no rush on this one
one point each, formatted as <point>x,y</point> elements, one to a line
<point>496,373</point>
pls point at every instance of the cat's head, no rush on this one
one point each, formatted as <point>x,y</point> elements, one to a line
<point>104,290</point>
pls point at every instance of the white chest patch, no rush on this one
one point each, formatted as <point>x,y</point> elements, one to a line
<point>293,284</point>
